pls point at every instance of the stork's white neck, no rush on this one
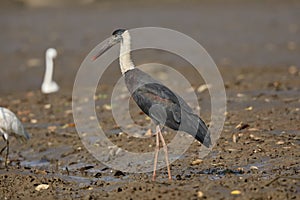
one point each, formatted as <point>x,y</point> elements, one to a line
<point>125,58</point>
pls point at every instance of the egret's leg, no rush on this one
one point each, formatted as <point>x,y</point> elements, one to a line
<point>166,152</point>
<point>4,140</point>
<point>3,149</point>
<point>6,157</point>
<point>156,153</point>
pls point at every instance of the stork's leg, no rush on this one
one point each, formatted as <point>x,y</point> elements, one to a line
<point>156,153</point>
<point>166,152</point>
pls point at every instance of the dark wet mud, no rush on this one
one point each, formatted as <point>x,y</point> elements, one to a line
<point>257,153</point>
<point>256,157</point>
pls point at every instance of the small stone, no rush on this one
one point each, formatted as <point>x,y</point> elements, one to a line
<point>148,118</point>
<point>41,187</point>
<point>254,168</point>
<point>236,192</point>
<point>280,142</point>
<point>197,162</point>
<point>234,139</point>
<point>47,106</point>
<point>240,95</point>
<point>203,87</point>
<point>200,194</point>
<point>33,121</point>
<point>51,129</point>
<point>292,70</point>
<point>107,107</point>
<point>148,133</point>
<point>249,108</point>
<point>252,129</point>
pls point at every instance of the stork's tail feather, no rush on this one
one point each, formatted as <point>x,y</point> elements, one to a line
<point>206,141</point>
<point>197,128</point>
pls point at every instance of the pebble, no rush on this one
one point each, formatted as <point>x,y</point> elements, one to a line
<point>280,142</point>
<point>249,108</point>
<point>51,129</point>
<point>236,192</point>
<point>292,70</point>
<point>234,139</point>
<point>200,194</point>
<point>197,162</point>
<point>107,107</point>
<point>33,121</point>
<point>47,106</point>
<point>203,87</point>
<point>240,95</point>
<point>41,187</point>
<point>254,168</point>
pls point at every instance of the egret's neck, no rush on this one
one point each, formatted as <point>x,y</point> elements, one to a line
<point>49,70</point>
<point>125,58</point>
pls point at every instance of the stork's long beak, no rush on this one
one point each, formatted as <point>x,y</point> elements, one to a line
<point>111,42</point>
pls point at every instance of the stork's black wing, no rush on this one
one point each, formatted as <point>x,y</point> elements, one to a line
<point>164,106</point>
<point>159,102</point>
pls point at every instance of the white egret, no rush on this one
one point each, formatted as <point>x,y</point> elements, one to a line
<point>10,125</point>
<point>48,85</point>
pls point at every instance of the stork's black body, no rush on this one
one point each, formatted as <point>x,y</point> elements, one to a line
<point>164,106</point>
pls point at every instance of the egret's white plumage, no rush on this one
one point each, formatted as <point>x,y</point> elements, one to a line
<point>48,85</point>
<point>10,125</point>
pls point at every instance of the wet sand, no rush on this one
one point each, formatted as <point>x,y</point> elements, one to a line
<point>257,153</point>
